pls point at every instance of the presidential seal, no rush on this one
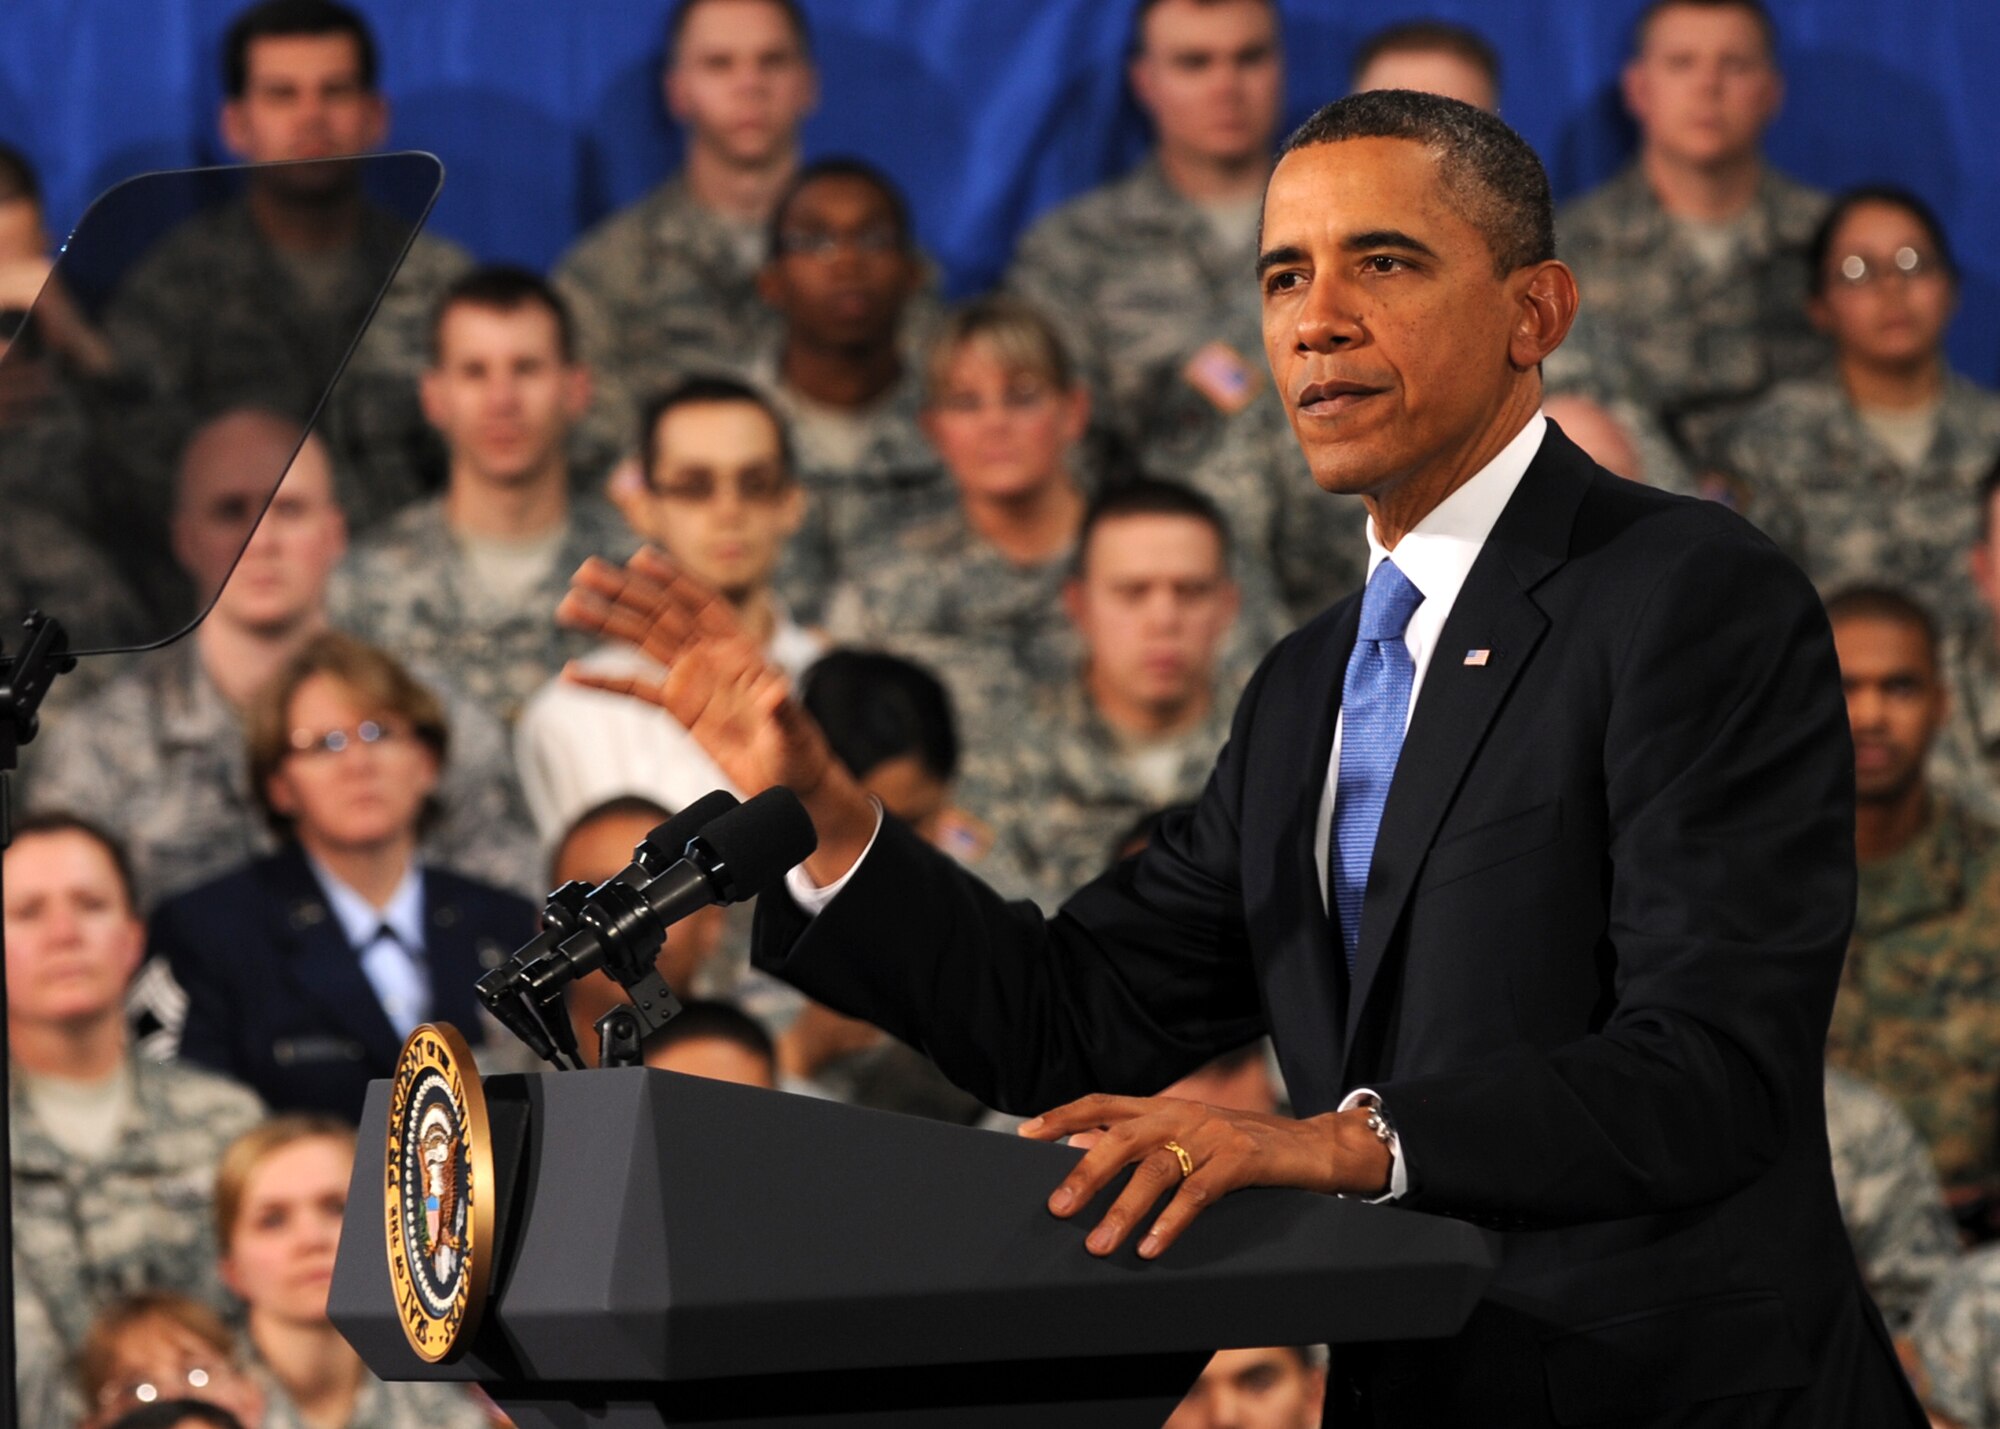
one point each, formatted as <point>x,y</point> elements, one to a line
<point>438,1192</point>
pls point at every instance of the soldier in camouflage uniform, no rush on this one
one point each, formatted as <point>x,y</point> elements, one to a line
<point>1956,1340</point>
<point>841,275</point>
<point>158,753</point>
<point>1872,472</point>
<point>467,582</point>
<point>1182,388</point>
<point>246,304</point>
<point>1918,1012</point>
<point>1889,1197</point>
<point>1965,761</point>
<point>114,1156</point>
<point>1138,726</point>
<point>1691,262</point>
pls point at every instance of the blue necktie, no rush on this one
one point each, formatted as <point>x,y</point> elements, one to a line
<point>1374,707</point>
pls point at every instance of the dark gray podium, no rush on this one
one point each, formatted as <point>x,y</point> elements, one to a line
<point>684,1252</point>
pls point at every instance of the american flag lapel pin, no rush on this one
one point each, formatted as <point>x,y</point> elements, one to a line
<point>1478,657</point>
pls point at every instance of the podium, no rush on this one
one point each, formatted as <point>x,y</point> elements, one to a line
<point>676,1251</point>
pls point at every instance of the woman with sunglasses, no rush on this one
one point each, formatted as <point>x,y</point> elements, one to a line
<point>305,970</point>
<point>1870,471</point>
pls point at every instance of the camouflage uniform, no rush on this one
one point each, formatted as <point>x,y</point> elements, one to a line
<point>44,1389</point>
<point>407,589</point>
<point>1889,1197</point>
<point>1918,1013</point>
<point>1687,341</point>
<point>1159,311</point>
<point>380,1405</point>
<point>86,1234</point>
<point>158,755</point>
<point>1965,758</point>
<point>1822,486</point>
<point>212,319</point>
<point>1956,1335</point>
<point>47,566</point>
<point>1066,788</point>
<point>854,510</point>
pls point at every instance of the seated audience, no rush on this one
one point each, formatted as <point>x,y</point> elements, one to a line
<point>721,501</point>
<point>1433,56</point>
<point>1890,1199</point>
<point>465,582</point>
<point>1620,436</point>
<point>306,969</point>
<point>279,1194</point>
<point>975,592</point>
<point>667,287</point>
<point>1918,1015</point>
<point>111,1152</point>
<point>1965,762</point>
<point>842,270</point>
<point>1694,257</point>
<point>158,752</point>
<point>1869,471</point>
<point>1279,1388</point>
<point>159,1347</point>
<point>1139,725</point>
<point>303,251</point>
<point>595,849</point>
<point>718,1041</point>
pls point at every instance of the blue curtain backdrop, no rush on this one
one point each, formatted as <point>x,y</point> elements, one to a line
<point>989,111</point>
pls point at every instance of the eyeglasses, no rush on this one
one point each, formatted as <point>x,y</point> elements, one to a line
<point>152,1390</point>
<point>877,238</point>
<point>1026,398</point>
<point>333,741</point>
<point>1857,271</point>
<point>755,486</point>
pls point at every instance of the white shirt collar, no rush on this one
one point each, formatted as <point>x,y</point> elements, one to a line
<point>1437,553</point>
<point>360,920</point>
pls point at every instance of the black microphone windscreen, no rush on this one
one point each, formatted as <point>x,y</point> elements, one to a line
<point>754,845</point>
<point>669,841</point>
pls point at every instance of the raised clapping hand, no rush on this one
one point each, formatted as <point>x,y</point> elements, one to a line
<point>719,686</point>
<point>1224,1151</point>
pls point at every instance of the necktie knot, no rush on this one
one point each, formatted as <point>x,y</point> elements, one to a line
<point>1388,604</point>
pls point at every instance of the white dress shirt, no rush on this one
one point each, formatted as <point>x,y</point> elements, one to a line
<point>1436,555</point>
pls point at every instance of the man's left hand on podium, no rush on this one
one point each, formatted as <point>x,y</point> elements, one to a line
<point>1200,1153</point>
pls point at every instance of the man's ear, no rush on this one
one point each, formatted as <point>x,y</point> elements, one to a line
<point>1545,309</point>
<point>234,128</point>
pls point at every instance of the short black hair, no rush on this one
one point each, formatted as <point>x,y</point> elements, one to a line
<point>1429,37</point>
<point>700,389</point>
<point>18,180</point>
<point>700,1020</point>
<point>1493,175</point>
<point>874,707</point>
<point>1884,603</point>
<point>1821,244</point>
<point>276,19</point>
<point>839,166</point>
<point>176,1414</point>
<point>1136,41</point>
<point>504,287</point>
<point>618,806</point>
<point>795,16</point>
<point>1149,496</point>
<point>62,821</point>
<point>1755,9</point>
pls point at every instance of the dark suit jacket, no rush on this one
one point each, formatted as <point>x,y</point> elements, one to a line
<point>277,998</point>
<point>1602,933</point>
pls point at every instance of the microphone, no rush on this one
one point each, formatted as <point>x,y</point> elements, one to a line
<point>621,925</point>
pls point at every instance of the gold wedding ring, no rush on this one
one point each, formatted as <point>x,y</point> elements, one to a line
<point>1181,1155</point>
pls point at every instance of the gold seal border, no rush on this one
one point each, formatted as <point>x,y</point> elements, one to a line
<point>477,1272</point>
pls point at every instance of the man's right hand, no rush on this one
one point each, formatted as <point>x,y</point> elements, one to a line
<point>720,688</point>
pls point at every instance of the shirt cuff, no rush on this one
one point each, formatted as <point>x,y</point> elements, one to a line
<point>811,898</point>
<point>1399,1174</point>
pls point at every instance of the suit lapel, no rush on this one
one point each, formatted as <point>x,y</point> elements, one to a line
<point>323,964</point>
<point>1458,702</point>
